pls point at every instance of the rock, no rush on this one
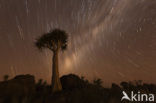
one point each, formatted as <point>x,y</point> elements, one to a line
<point>71,81</point>
<point>21,85</point>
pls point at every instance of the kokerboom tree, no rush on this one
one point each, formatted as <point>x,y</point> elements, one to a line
<point>56,41</point>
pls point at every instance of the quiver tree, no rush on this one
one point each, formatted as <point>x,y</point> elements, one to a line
<point>55,40</point>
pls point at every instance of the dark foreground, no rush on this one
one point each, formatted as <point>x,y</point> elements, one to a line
<point>23,89</point>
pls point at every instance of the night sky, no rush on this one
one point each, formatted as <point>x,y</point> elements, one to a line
<point>114,40</point>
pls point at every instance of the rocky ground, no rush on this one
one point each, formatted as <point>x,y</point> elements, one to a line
<point>23,89</point>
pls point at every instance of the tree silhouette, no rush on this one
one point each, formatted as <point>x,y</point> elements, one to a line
<point>55,40</point>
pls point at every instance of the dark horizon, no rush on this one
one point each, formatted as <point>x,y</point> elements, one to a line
<point>114,40</point>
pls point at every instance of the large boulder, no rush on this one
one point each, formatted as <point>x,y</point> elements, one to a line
<point>72,81</point>
<point>21,85</point>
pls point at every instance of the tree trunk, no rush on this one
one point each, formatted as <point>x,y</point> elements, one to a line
<point>56,84</point>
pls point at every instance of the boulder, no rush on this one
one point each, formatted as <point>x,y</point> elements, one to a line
<point>71,81</point>
<point>19,86</point>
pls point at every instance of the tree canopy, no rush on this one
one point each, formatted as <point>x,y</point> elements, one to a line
<point>53,40</point>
